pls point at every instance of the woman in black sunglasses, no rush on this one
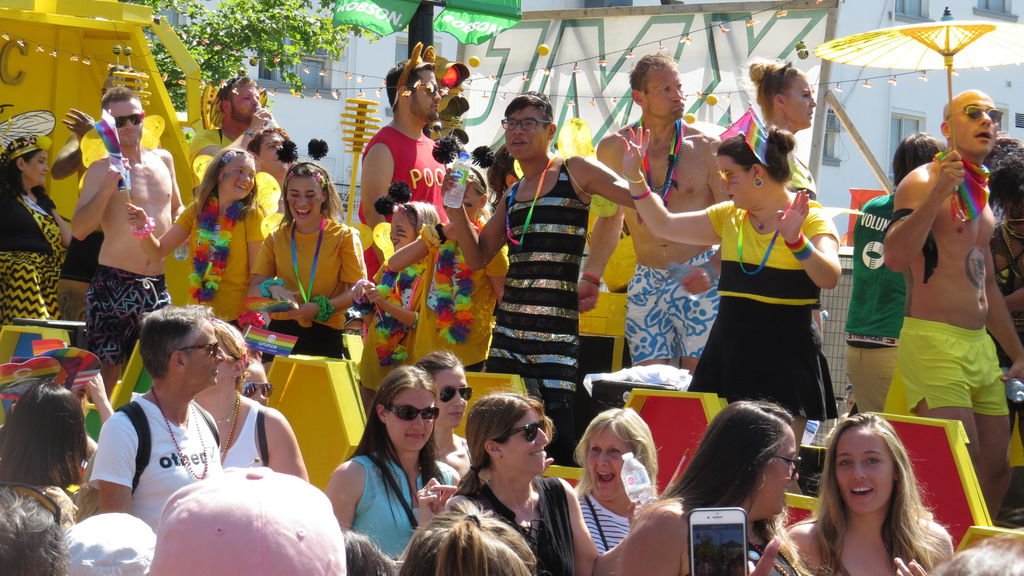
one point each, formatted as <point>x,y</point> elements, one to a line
<point>395,481</point>
<point>507,435</point>
<point>453,394</point>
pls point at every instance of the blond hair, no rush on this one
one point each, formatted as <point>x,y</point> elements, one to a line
<point>771,78</point>
<point>628,426</point>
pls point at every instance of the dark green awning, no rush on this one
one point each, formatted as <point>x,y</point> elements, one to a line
<point>469,21</point>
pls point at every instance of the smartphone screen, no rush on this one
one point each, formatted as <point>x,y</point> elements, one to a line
<point>718,542</point>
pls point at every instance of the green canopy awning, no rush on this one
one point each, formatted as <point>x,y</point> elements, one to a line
<point>469,21</point>
<point>476,21</point>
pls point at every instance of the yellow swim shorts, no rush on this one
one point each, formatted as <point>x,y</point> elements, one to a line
<point>950,366</point>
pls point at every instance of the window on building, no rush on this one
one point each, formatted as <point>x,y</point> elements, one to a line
<point>832,130</point>
<point>900,127</point>
<point>912,8</point>
<point>994,5</point>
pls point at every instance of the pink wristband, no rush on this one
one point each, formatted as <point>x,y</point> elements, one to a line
<point>144,230</point>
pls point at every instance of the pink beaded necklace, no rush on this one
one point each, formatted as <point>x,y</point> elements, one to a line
<point>184,458</point>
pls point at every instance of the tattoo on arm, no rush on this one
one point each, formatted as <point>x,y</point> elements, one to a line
<point>974,266</point>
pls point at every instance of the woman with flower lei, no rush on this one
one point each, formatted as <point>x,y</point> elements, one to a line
<point>391,311</point>
<point>312,262</point>
<point>458,311</point>
<point>223,225</point>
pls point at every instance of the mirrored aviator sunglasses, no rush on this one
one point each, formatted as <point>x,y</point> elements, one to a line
<point>447,394</point>
<point>409,413</point>
<point>974,113</point>
<point>251,389</point>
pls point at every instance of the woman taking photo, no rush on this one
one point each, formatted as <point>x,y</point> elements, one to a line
<point>250,435</point>
<point>395,481</point>
<point>750,443</point>
<point>33,237</point>
<point>606,507</point>
<point>312,261</point>
<point>223,227</point>
<point>507,436</point>
<point>778,250</point>
<point>453,394</point>
<point>870,519</point>
<point>44,445</point>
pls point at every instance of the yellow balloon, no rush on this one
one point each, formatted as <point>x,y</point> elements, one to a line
<point>690,118</point>
<point>382,238</point>
<point>473,61</point>
<point>601,206</point>
<point>268,192</point>
<point>711,99</point>
<point>543,49</point>
<point>271,222</point>
<point>365,234</point>
<point>199,165</point>
<point>575,139</point>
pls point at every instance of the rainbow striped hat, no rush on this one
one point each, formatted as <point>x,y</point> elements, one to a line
<point>753,132</point>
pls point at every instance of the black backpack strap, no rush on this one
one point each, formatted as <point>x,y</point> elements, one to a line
<point>209,422</point>
<point>261,435</point>
<point>139,421</point>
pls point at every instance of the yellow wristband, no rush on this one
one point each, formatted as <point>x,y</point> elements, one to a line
<point>640,181</point>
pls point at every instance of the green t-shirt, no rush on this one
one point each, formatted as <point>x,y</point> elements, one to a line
<point>879,295</point>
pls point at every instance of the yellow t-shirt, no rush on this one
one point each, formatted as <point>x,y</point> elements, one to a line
<point>340,263</point>
<point>474,349</point>
<point>234,286</point>
<point>783,279</point>
<point>206,138</point>
<point>370,370</point>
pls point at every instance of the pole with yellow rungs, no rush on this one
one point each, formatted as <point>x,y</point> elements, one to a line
<point>358,125</point>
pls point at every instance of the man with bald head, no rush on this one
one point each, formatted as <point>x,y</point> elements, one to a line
<point>939,239</point>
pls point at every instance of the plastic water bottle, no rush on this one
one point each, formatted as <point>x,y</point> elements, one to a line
<point>636,480</point>
<point>1015,390</point>
<point>181,252</point>
<point>460,171</point>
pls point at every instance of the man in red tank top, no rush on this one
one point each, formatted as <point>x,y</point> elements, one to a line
<point>400,152</point>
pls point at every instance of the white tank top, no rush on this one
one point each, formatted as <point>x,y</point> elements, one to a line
<point>246,452</point>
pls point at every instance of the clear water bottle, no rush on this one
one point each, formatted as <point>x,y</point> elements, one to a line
<point>460,171</point>
<point>181,252</point>
<point>1015,390</point>
<point>636,480</point>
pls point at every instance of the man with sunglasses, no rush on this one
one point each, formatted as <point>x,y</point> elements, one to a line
<point>241,118</point>
<point>127,283</point>
<point>180,351</point>
<point>939,239</point>
<point>400,151</point>
<point>681,167</point>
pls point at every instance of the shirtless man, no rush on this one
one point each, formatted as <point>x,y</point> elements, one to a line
<point>127,284</point>
<point>663,326</point>
<point>947,362</point>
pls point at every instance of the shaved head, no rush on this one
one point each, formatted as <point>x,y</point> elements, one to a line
<point>963,99</point>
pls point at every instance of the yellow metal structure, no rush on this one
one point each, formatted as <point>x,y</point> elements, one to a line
<point>358,124</point>
<point>54,55</point>
<point>977,534</point>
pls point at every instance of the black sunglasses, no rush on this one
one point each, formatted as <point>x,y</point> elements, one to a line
<point>28,491</point>
<point>448,393</point>
<point>794,461</point>
<point>974,112</point>
<point>409,413</point>
<point>213,348</point>
<point>135,119</point>
<point>529,431</point>
<point>251,389</point>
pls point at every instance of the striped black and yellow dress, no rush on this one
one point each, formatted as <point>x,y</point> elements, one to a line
<point>31,255</point>
<point>536,334</point>
<point>764,344</point>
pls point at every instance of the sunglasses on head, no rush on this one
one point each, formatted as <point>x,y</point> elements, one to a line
<point>529,431</point>
<point>27,491</point>
<point>252,389</point>
<point>448,393</point>
<point>409,413</point>
<point>974,112</point>
<point>135,119</point>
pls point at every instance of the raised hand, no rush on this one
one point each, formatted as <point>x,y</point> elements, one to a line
<point>636,142</point>
<point>950,174</point>
<point>791,220</point>
<point>78,122</point>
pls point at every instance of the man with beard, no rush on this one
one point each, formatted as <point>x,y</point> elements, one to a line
<point>400,152</point>
<point>241,118</point>
<point>663,325</point>
<point>127,284</point>
<point>939,239</point>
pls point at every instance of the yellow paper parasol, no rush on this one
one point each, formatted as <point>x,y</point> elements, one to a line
<point>931,46</point>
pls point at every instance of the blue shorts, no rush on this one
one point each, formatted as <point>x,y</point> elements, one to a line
<point>662,322</point>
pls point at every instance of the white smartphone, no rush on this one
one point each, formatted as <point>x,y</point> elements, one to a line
<point>718,542</point>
